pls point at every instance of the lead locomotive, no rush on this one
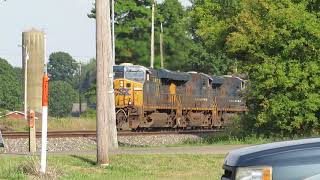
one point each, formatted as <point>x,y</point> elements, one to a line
<point>149,98</point>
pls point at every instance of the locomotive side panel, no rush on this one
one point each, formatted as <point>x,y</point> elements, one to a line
<point>229,100</point>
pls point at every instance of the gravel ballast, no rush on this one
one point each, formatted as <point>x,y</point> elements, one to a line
<point>78,144</point>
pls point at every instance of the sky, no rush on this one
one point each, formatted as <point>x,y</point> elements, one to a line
<point>65,23</point>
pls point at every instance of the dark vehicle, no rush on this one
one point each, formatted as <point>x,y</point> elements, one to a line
<point>288,160</point>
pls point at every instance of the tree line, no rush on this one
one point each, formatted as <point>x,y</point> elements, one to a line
<point>275,44</point>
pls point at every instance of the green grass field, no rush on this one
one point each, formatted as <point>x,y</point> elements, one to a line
<point>54,124</point>
<point>121,167</point>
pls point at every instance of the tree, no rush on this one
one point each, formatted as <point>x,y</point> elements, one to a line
<point>62,67</point>
<point>61,98</point>
<point>177,41</point>
<point>10,88</point>
<point>88,83</point>
<point>278,44</point>
<point>89,75</point>
<point>210,23</point>
<point>132,29</point>
<point>133,24</point>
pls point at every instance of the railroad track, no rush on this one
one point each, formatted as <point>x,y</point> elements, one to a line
<point>57,134</point>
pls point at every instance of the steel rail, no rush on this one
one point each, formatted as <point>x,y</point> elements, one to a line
<point>59,134</point>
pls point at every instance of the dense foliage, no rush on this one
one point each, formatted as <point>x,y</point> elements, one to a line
<point>210,23</point>
<point>61,98</point>
<point>62,67</point>
<point>277,45</point>
<point>10,87</point>
<point>88,83</point>
<point>133,30</point>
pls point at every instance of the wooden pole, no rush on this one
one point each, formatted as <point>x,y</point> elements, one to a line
<point>113,125</point>
<point>32,132</point>
<point>152,36</point>
<point>113,34</point>
<point>161,46</point>
<point>105,94</point>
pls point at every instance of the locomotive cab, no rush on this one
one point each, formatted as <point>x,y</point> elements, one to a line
<point>128,87</point>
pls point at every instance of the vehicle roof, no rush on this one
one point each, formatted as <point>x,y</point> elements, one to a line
<point>243,156</point>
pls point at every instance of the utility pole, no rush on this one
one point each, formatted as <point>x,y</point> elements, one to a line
<point>105,93</point>
<point>161,46</point>
<point>113,34</point>
<point>113,125</point>
<point>152,35</point>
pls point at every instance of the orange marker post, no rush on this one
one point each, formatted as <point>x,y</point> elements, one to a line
<point>45,90</point>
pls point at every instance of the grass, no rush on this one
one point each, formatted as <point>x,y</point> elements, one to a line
<point>71,123</point>
<point>122,167</point>
<point>223,139</point>
<point>54,124</point>
<point>16,125</point>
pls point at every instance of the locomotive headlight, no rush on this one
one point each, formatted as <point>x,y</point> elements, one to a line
<point>254,173</point>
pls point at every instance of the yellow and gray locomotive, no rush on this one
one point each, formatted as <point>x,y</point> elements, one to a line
<point>149,98</point>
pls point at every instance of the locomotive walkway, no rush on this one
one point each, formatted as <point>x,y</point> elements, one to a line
<point>215,149</point>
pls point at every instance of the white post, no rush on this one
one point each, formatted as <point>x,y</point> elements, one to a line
<point>161,46</point>
<point>45,87</point>
<point>44,140</point>
<point>152,35</point>
<point>25,60</point>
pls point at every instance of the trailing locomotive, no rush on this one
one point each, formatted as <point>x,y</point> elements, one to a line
<point>149,98</point>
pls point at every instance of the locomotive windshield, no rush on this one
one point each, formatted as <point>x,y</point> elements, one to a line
<point>118,72</point>
<point>134,73</point>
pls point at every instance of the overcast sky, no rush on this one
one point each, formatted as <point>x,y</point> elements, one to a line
<point>65,22</point>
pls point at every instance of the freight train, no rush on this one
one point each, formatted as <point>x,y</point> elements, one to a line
<point>148,98</point>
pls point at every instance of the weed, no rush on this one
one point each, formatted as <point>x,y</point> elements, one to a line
<point>31,168</point>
